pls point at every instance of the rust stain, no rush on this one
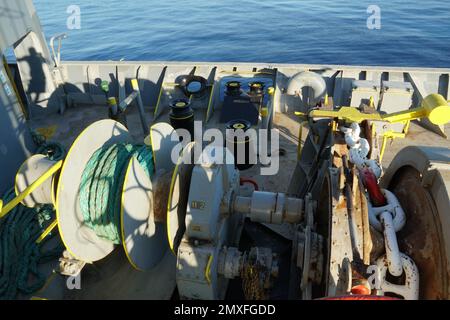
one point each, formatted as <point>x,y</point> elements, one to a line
<point>161,196</point>
<point>421,237</point>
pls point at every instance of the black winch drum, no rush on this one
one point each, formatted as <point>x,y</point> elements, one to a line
<point>233,143</point>
<point>257,88</point>
<point>182,116</point>
<point>233,88</point>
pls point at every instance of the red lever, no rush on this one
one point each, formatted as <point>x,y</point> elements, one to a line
<point>370,181</point>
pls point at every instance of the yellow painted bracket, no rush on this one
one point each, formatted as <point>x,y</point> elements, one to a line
<point>47,231</point>
<point>390,135</point>
<point>135,84</point>
<point>208,269</point>
<point>372,102</point>
<point>18,199</point>
<point>434,107</point>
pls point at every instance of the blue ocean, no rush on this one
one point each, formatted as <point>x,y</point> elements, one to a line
<point>410,33</point>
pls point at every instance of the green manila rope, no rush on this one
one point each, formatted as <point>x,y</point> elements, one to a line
<point>20,255</point>
<point>102,183</point>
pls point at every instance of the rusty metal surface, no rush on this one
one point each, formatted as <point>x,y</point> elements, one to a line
<point>421,238</point>
<point>420,178</point>
<point>161,196</point>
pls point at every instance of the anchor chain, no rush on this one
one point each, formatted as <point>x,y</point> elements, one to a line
<point>386,216</point>
<point>359,150</point>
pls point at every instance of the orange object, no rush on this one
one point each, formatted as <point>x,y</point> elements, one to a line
<point>361,290</point>
<point>362,298</point>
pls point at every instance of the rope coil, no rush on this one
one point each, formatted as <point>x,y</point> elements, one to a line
<point>102,184</point>
<point>20,254</point>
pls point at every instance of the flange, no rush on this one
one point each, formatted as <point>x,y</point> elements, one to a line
<point>143,238</point>
<point>30,171</point>
<point>81,241</point>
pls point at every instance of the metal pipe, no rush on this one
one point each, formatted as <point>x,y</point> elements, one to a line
<point>242,205</point>
<point>269,207</point>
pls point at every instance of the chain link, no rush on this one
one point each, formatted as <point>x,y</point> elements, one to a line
<point>388,219</point>
<point>253,285</point>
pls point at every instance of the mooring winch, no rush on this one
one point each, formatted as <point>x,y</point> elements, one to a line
<point>113,191</point>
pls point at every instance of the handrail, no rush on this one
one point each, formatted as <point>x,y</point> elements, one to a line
<point>57,55</point>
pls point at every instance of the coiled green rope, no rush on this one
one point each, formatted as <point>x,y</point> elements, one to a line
<point>102,184</point>
<point>20,255</point>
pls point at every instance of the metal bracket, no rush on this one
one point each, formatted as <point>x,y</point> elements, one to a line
<point>69,266</point>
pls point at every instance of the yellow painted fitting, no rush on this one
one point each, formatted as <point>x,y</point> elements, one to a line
<point>1,205</point>
<point>208,269</point>
<point>383,148</point>
<point>112,101</point>
<point>326,99</point>
<point>434,107</point>
<point>47,231</point>
<point>372,102</point>
<point>437,109</point>
<point>406,127</point>
<point>180,104</point>
<point>135,84</point>
<point>334,126</point>
<point>271,91</point>
<point>238,126</point>
<point>345,113</point>
<point>17,200</point>
<point>264,112</point>
<point>389,135</point>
